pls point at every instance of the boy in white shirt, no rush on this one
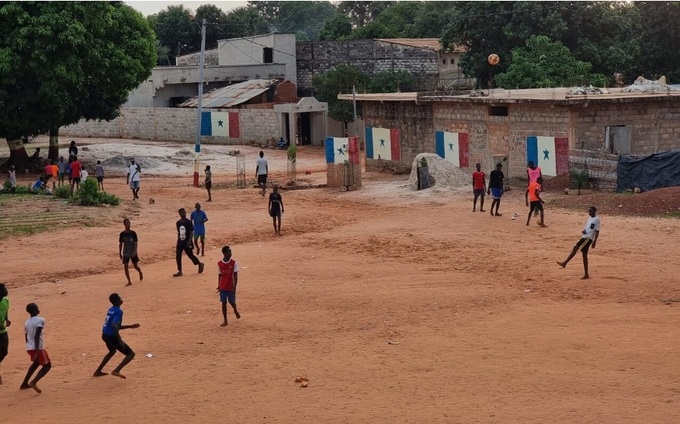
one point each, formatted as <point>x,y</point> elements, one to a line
<point>589,238</point>
<point>35,346</point>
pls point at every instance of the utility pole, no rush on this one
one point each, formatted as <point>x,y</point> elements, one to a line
<point>354,104</point>
<point>197,151</point>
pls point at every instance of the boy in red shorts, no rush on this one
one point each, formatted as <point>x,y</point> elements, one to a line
<point>227,279</point>
<point>36,348</point>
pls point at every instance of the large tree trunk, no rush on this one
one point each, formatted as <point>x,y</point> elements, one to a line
<point>53,152</point>
<point>17,155</point>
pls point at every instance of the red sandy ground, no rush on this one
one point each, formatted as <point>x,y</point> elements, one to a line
<point>489,328</point>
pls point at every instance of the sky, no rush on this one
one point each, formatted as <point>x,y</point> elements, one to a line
<point>150,7</point>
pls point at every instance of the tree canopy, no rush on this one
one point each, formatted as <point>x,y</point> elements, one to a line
<point>63,61</point>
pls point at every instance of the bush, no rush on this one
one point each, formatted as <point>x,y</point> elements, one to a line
<point>62,192</point>
<point>89,195</point>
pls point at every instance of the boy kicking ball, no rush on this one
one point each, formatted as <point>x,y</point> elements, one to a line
<point>227,279</point>
<point>111,336</point>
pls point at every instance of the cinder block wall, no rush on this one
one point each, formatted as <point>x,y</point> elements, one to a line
<point>174,124</point>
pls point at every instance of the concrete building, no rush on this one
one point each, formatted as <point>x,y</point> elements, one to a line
<point>433,70</point>
<point>235,60</point>
<point>513,126</point>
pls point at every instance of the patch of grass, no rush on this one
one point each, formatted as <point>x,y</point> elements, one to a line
<point>24,230</point>
<point>674,214</point>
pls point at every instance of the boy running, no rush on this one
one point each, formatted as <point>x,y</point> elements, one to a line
<point>533,199</point>
<point>276,209</point>
<point>496,188</point>
<point>590,234</point>
<point>113,323</point>
<point>99,175</point>
<point>198,220</point>
<point>127,251</point>
<point>35,346</point>
<point>184,236</point>
<point>478,187</point>
<point>227,279</point>
<point>4,323</point>
<point>208,181</point>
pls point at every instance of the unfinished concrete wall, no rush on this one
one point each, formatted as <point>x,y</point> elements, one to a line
<point>175,124</point>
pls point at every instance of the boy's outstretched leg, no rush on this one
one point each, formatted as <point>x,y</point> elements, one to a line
<point>128,357</point>
<point>569,258</point>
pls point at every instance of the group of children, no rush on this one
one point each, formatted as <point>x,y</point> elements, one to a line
<point>532,198</point>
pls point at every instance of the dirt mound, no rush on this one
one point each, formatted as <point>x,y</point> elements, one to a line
<point>120,161</point>
<point>443,174</point>
<point>660,202</point>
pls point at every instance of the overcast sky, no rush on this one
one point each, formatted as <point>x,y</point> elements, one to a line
<point>150,7</point>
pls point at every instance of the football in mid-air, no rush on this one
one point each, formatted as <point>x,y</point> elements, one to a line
<point>494,59</point>
<point>636,190</point>
<point>566,191</point>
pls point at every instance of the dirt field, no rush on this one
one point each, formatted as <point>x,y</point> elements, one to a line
<point>398,307</point>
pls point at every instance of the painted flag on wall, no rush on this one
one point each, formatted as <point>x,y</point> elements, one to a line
<point>550,153</point>
<point>220,124</point>
<point>383,143</point>
<point>337,150</point>
<point>454,147</point>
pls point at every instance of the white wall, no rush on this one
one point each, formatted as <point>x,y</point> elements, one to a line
<point>249,51</point>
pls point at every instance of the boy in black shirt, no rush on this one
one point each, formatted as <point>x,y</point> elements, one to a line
<point>127,250</point>
<point>496,188</point>
<point>276,209</point>
<point>185,232</point>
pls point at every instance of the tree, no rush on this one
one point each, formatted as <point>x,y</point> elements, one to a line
<point>163,54</point>
<point>391,82</point>
<point>63,61</point>
<point>176,28</point>
<point>215,19</point>
<point>268,10</point>
<point>338,27</point>
<point>338,80</point>
<point>544,63</point>
<point>395,21</point>
<point>304,18</point>
<point>659,38</point>
<point>361,13</point>
<point>243,22</point>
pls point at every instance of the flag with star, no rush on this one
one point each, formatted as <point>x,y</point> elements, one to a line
<point>337,150</point>
<point>551,154</point>
<point>454,147</point>
<point>383,143</point>
<point>220,124</point>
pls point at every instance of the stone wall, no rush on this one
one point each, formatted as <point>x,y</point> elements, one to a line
<point>174,124</point>
<point>370,56</point>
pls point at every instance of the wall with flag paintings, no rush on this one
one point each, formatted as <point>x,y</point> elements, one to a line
<point>179,124</point>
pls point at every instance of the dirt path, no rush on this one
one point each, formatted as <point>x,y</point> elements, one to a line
<point>484,326</point>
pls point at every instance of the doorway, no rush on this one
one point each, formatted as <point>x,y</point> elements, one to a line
<point>305,128</point>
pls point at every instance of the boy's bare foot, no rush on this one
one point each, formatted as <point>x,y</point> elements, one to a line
<point>238,316</point>
<point>202,253</point>
<point>177,274</point>
<point>224,324</point>
<point>0,380</point>
<point>24,387</point>
<point>561,264</point>
<point>117,374</point>
<point>141,276</point>
<point>585,277</point>
<point>482,210</point>
<point>99,374</point>
<point>128,284</point>
<point>200,267</point>
<point>34,387</point>
<point>499,214</point>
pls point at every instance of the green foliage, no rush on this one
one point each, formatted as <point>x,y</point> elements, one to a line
<point>292,153</point>
<point>361,13</point>
<point>62,192</point>
<point>338,80</point>
<point>215,20</point>
<point>659,38</point>
<point>339,27</point>
<point>89,195</point>
<point>579,178</point>
<point>63,61</point>
<point>244,21</point>
<point>176,29</point>
<point>391,82</point>
<point>306,19</point>
<point>544,63</point>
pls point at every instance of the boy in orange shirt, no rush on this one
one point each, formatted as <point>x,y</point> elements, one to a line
<point>533,199</point>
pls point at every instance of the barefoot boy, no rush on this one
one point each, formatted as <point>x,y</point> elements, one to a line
<point>227,279</point>
<point>127,251</point>
<point>4,323</point>
<point>532,197</point>
<point>276,209</point>
<point>111,336</point>
<point>208,181</point>
<point>588,240</point>
<point>35,346</point>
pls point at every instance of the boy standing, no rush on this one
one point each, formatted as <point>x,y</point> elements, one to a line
<point>4,323</point>
<point>184,236</point>
<point>276,209</point>
<point>261,171</point>
<point>113,323</point>
<point>208,181</point>
<point>127,251</point>
<point>533,199</point>
<point>76,168</point>
<point>35,346</point>
<point>496,188</point>
<point>198,220</point>
<point>12,174</point>
<point>478,187</point>
<point>590,234</point>
<point>99,175</point>
<point>62,170</point>
<point>133,172</point>
<point>227,279</point>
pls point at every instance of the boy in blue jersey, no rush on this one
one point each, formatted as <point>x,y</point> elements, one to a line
<point>198,219</point>
<point>111,336</point>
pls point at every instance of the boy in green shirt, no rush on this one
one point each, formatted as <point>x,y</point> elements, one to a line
<point>4,323</point>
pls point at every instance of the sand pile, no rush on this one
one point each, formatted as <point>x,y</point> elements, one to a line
<point>443,174</point>
<point>122,162</point>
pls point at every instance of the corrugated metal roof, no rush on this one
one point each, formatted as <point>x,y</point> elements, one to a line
<point>382,97</point>
<point>232,95</point>
<point>421,43</point>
